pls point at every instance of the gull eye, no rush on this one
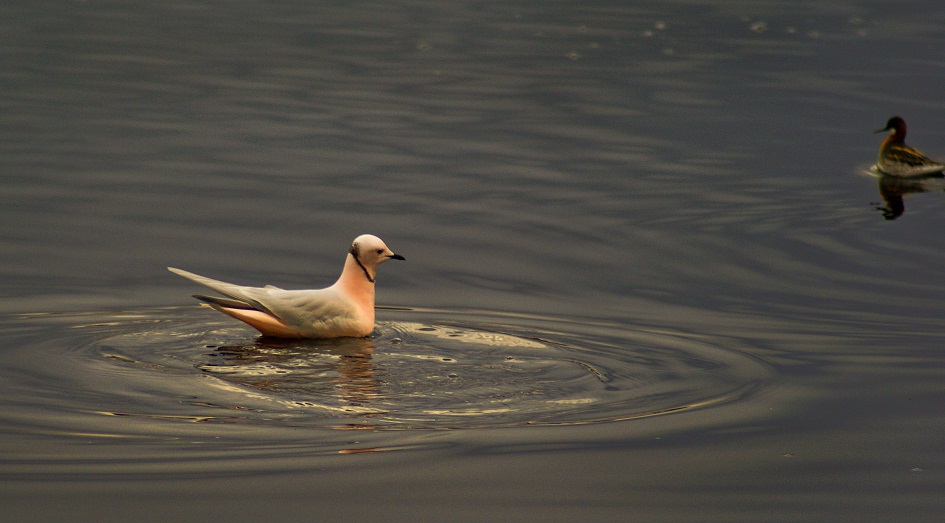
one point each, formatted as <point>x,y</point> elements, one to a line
<point>380,251</point>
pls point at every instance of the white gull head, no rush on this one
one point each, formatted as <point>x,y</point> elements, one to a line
<point>369,251</point>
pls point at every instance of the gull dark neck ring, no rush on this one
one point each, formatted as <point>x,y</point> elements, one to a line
<point>354,253</point>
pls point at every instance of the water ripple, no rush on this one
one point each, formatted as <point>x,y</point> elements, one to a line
<point>421,369</point>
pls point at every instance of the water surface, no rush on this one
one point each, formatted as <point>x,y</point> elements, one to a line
<point>702,309</point>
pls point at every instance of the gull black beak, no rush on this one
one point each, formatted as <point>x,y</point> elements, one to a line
<point>397,257</point>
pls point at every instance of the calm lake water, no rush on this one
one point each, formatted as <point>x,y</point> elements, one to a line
<point>649,275</point>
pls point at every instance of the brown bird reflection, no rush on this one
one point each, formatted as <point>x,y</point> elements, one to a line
<point>893,188</point>
<point>307,370</point>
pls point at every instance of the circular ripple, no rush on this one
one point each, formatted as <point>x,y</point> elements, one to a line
<point>420,369</point>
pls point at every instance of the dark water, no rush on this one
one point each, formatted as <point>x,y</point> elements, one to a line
<point>649,276</point>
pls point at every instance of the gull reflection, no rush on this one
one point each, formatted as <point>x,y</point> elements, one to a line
<point>340,369</point>
<point>893,188</point>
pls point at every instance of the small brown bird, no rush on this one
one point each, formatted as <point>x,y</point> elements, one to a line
<point>898,159</point>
